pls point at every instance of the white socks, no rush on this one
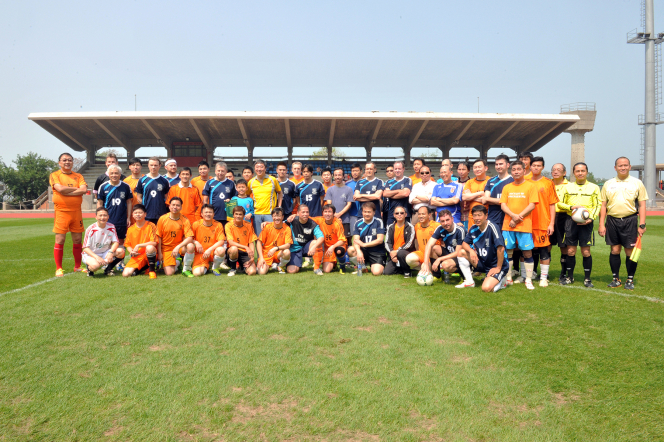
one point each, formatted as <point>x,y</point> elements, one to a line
<point>283,261</point>
<point>187,262</point>
<point>544,271</point>
<point>529,270</point>
<point>464,266</point>
<point>216,262</point>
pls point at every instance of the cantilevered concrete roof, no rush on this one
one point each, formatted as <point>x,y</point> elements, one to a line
<point>131,130</point>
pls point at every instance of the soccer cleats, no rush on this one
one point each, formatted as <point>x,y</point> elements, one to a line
<point>231,272</point>
<point>216,272</point>
<point>188,274</point>
<point>77,269</point>
<point>465,284</point>
<point>544,282</point>
<point>629,284</point>
<point>615,283</point>
<point>318,272</point>
<point>529,284</point>
<point>59,273</point>
<point>588,283</point>
<point>153,275</point>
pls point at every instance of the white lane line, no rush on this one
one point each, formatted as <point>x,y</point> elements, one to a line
<point>623,294</point>
<point>33,259</point>
<point>33,285</point>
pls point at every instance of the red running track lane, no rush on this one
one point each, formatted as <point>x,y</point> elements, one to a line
<point>37,215</point>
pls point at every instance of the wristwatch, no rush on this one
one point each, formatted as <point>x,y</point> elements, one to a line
<point>642,226</point>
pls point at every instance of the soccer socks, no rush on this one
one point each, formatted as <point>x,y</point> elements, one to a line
<point>464,266</point>
<point>187,262</point>
<point>571,263</point>
<point>587,266</point>
<point>615,262</point>
<point>516,254</point>
<point>318,258</point>
<point>510,262</point>
<point>563,265</point>
<point>78,255</point>
<point>283,261</point>
<point>536,258</point>
<point>544,271</point>
<point>152,259</point>
<point>523,271</point>
<point>216,261</point>
<point>58,251</point>
<point>528,264</point>
<point>631,268</point>
<point>113,263</point>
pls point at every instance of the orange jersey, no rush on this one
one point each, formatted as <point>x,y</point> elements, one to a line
<point>273,237</point>
<point>140,235</point>
<point>423,234</point>
<point>243,234</point>
<point>475,186</point>
<point>529,176</point>
<point>517,197</point>
<point>399,239</point>
<point>326,186</point>
<point>132,185</point>
<point>547,195</point>
<point>208,235</point>
<point>191,200</point>
<point>333,233</point>
<point>198,183</point>
<point>66,203</point>
<point>415,179</point>
<point>297,181</point>
<point>172,232</point>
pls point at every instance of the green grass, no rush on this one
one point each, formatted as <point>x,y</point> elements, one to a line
<point>298,357</point>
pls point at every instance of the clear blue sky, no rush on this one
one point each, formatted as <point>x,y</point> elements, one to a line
<point>517,56</point>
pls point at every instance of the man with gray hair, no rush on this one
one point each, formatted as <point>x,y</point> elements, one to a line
<point>116,197</point>
<point>396,193</point>
<point>218,191</point>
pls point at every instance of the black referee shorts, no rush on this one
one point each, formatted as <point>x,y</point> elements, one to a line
<point>558,236</point>
<point>581,235</point>
<point>622,231</point>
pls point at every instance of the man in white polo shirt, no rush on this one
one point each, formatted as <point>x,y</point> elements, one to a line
<point>422,191</point>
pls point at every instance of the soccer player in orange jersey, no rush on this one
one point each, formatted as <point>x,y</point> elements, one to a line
<point>544,218</point>
<point>174,233</point>
<point>423,231</point>
<point>518,200</point>
<point>327,178</point>
<point>190,196</point>
<point>473,190</point>
<point>274,244</point>
<point>203,176</point>
<point>208,245</point>
<point>240,236</point>
<point>335,242</point>
<point>141,244</point>
<point>297,178</point>
<point>68,190</point>
<point>417,165</point>
<point>135,166</point>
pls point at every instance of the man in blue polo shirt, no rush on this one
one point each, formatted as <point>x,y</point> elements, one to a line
<point>368,241</point>
<point>396,193</point>
<point>369,189</point>
<point>494,189</point>
<point>218,191</point>
<point>447,195</point>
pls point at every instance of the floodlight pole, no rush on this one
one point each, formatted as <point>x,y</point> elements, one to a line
<point>649,154</point>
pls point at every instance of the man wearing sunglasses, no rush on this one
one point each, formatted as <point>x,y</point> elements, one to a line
<point>400,242</point>
<point>420,196</point>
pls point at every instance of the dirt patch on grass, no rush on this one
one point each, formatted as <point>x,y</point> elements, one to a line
<point>384,320</point>
<point>160,347</point>
<point>278,337</point>
<point>115,429</point>
<point>137,316</point>
<point>451,342</point>
<point>423,422</point>
<point>561,399</point>
<point>200,433</point>
<point>462,358</point>
<point>356,436</point>
<point>284,410</point>
<point>366,329</point>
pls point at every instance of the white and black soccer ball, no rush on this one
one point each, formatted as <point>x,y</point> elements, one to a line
<point>580,215</point>
<point>424,279</point>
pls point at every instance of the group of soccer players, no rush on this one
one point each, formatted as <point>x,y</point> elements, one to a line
<point>501,226</point>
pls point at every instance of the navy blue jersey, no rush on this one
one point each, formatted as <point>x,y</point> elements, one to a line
<point>288,189</point>
<point>114,199</point>
<point>495,186</point>
<point>172,181</point>
<point>369,231</point>
<point>392,203</point>
<point>304,233</point>
<point>486,243</point>
<point>218,192</point>
<point>366,187</point>
<point>450,190</point>
<point>154,191</point>
<point>310,196</point>
<point>450,239</point>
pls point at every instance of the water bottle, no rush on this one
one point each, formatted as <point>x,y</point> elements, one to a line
<point>359,269</point>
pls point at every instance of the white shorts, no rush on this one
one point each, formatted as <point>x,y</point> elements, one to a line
<point>102,255</point>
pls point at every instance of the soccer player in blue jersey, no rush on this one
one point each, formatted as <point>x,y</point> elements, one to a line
<point>307,237</point>
<point>172,174</point>
<point>218,191</point>
<point>368,237</point>
<point>447,195</point>
<point>396,192</point>
<point>369,189</point>
<point>287,188</point>
<point>494,189</point>
<point>451,236</point>
<point>310,192</point>
<point>116,197</point>
<point>484,251</point>
<point>153,189</point>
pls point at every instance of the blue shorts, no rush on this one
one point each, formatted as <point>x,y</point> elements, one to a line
<point>121,231</point>
<point>499,276</point>
<point>523,239</point>
<point>296,257</point>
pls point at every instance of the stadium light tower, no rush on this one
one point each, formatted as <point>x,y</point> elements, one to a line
<point>653,94</point>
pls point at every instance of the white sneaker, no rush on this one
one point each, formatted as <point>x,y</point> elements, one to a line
<point>544,282</point>
<point>231,272</point>
<point>307,262</point>
<point>274,266</point>
<point>465,284</point>
<point>501,285</point>
<point>529,284</point>
<point>520,280</point>
<point>223,266</point>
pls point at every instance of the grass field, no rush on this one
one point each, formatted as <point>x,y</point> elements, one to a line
<point>298,357</point>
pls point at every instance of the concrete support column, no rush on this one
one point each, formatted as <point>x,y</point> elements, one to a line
<point>290,157</point>
<point>406,156</point>
<point>578,147</point>
<point>131,153</point>
<point>484,152</point>
<point>250,155</point>
<point>210,156</point>
<point>169,151</point>
<point>368,149</point>
<point>91,151</point>
<point>446,152</point>
<point>329,156</point>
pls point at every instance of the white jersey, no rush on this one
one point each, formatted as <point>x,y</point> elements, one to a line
<point>99,240</point>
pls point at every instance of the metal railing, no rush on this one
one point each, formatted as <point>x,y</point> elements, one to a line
<point>581,106</point>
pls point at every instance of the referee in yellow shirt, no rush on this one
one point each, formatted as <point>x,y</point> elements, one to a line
<point>618,221</point>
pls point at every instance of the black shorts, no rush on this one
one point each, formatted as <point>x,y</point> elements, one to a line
<point>347,232</point>
<point>558,237</point>
<point>622,231</point>
<point>454,260</point>
<point>581,235</point>
<point>121,231</point>
<point>483,269</point>
<point>373,257</point>
<point>243,259</point>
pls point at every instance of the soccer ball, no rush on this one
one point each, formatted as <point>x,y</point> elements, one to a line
<point>580,215</point>
<point>425,279</point>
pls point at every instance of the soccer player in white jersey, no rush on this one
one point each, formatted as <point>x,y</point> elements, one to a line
<point>101,247</point>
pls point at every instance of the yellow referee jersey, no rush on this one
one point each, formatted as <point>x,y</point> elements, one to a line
<point>622,196</point>
<point>586,195</point>
<point>559,192</point>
